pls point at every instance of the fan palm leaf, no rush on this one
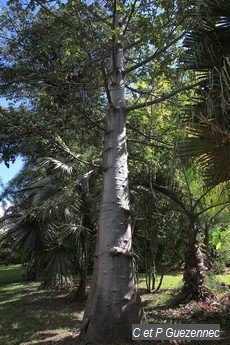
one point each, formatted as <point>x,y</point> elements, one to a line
<point>208,53</point>
<point>28,235</point>
<point>56,233</point>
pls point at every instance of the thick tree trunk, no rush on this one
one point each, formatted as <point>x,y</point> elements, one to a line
<point>194,267</point>
<point>114,303</point>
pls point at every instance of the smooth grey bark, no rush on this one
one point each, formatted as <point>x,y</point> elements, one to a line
<point>114,303</point>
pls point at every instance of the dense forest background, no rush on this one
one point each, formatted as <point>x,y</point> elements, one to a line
<point>120,110</point>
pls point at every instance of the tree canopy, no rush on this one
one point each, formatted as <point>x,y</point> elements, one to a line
<point>89,83</point>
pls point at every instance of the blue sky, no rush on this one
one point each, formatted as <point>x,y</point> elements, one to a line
<point>3,3</point>
<point>7,174</point>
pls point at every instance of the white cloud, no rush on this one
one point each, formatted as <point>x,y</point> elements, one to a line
<point>1,211</point>
<point>6,206</point>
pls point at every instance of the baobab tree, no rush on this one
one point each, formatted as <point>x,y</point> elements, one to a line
<point>134,46</point>
<point>114,304</point>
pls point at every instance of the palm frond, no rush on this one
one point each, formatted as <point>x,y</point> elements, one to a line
<point>28,236</point>
<point>58,266</point>
<point>208,54</point>
<point>210,145</point>
<point>60,165</point>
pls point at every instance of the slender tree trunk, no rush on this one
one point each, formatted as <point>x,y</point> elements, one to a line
<point>147,268</point>
<point>206,237</point>
<point>194,267</point>
<point>31,273</point>
<point>114,303</point>
<point>81,289</point>
<point>87,244</point>
<point>160,282</point>
<point>154,280</point>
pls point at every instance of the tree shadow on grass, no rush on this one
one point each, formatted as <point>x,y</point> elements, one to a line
<point>162,299</point>
<point>53,338</point>
<point>31,316</point>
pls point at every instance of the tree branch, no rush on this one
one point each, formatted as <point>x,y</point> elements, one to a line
<point>141,92</point>
<point>209,207</point>
<point>105,83</point>
<point>132,45</point>
<point>172,196</point>
<point>130,16</point>
<point>51,13</point>
<point>149,137</point>
<point>157,53</point>
<point>216,214</point>
<point>76,157</point>
<point>202,196</point>
<point>162,98</point>
<point>114,14</point>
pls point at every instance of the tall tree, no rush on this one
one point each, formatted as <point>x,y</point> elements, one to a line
<point>130,44</point>
<point>114,304</point>
<point>114,297</point>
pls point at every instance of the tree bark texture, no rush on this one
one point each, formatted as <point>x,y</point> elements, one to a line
<point>208,260</point>
<point>194,267</point>
<point>83,273</point>
<point>114,303</point>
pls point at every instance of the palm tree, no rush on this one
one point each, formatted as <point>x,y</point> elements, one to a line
<point>54,226</point>
<point>194,200</point>
<point>208,54</point>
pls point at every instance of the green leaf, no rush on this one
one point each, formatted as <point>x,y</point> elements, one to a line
<point>218,246</point>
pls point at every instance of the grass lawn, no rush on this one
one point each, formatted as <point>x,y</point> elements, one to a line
<point>9,274</point>
<point>169,281</point>
<point>29,315</point>
<point>224,278</point>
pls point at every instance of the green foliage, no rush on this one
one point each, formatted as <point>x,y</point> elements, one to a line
<point>220,240</point>
<point>7,253</point>
<point>50,83</point>
<point>225,249</point>
<point>55,64</point>
<point>53,228</point>
<point>208,54</point>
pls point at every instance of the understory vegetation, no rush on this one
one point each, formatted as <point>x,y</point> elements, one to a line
<point>119,111</point>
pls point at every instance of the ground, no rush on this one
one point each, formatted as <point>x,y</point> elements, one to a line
<point>29,315</point>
